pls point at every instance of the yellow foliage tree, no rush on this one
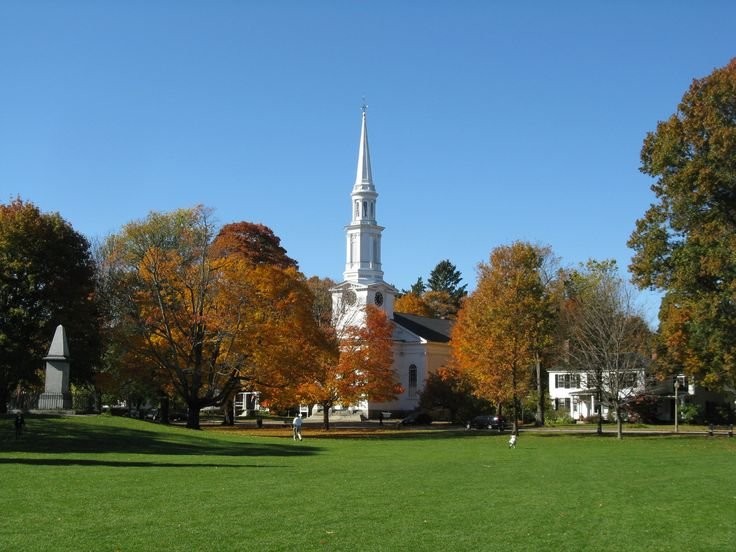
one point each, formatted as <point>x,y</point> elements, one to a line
<point>496,339</point>
<point>411,303</point>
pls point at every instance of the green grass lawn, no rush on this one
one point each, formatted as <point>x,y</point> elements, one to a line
<point>102,483</point>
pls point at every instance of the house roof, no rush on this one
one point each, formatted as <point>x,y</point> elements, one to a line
<point>431,329</point>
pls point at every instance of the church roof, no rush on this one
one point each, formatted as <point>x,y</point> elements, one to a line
<point>431,329</point>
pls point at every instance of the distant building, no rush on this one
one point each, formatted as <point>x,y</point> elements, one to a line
<point>421,344</point>
<point>571,394</point>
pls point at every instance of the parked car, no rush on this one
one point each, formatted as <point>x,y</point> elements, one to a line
<point>416,418</point>
<point>178,415</point>
<point>487,422</point>
<point>480,422</point>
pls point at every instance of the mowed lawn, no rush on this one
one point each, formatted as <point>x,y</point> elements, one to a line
<point>100,483</point>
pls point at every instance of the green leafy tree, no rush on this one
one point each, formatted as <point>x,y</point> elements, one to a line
<point>446,277</point>
<point>440,304</point>
<point>447,388</point>
<point>418,287</point>
<point>47,277</point>
<point>439,298</point>
<point>684,244</point>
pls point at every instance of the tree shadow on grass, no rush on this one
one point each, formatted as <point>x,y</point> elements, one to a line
<point>122,463</point>
<point>79,435</point>
<point>592,434</point>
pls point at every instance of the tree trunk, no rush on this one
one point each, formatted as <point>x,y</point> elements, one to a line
<point>98,400</point>
<point>516,416</point>
<point>193,417</point>
<point>619,423</point>
<point>228,416</point>
<point>326,417</point>
<point>163,410</point>
<point>599,406</point>
<point>3,399</point>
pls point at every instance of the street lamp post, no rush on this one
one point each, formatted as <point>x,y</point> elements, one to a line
<point>679,380</point>
<point>677,386</point>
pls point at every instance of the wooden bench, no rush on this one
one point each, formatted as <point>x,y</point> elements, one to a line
<point>720,430</point>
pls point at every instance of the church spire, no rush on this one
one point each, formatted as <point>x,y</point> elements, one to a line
<point>363,277</point>
<point>363,261</point>
<point>364,176</point>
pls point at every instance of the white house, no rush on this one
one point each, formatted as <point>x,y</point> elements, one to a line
<point>421,344</point>
<point>571,392</point>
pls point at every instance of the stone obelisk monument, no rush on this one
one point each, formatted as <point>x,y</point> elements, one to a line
<point>56,395</point>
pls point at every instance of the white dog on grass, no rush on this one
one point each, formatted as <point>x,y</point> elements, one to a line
<point>512,441</point>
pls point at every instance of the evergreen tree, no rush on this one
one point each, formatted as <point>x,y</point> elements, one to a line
<point>446,277</point>
<point>417,288</point>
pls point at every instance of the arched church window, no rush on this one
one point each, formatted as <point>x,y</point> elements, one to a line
<point>357,208</point>
<point>365,209</point>
<point>373,209</point>
<point>413,381</point>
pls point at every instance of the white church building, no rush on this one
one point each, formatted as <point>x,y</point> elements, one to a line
<point>421,344</point>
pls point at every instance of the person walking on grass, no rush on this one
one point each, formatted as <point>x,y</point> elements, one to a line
<point>296,425</point>
<point>512,441</point>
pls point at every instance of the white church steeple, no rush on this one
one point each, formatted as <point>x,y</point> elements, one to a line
<point>363,277</point>
<point>364,176</point>
<point>363,255</point>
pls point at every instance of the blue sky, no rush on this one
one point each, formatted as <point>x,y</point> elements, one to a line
<point>488,121</point>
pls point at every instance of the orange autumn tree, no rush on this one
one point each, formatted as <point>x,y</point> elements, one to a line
<point>286,342</point>
<point>287,346</point>
<point>255,243</point>
<point>359,368</point>
<point>496,339</point>
<point>203,321</point>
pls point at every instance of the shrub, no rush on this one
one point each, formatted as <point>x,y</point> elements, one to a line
<point>558,417</point>
<point>642,409</point>
<point>565,419</point>
<point>725,414</point>
<point>689,413</point>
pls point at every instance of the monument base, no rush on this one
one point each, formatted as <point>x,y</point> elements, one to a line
<point>55,401</point>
